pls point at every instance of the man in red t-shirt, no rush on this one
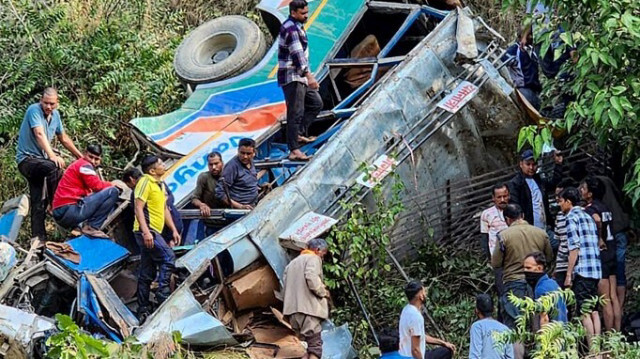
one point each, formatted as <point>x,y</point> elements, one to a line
<point>83,197</point>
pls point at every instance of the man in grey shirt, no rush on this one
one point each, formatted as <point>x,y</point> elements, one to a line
<point>238,185</point>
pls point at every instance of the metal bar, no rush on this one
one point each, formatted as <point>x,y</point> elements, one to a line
<point>364,310</point>
<point>408,22</point>
<point>360,89</point>
<point>406,278</point>
<point>334,86</point>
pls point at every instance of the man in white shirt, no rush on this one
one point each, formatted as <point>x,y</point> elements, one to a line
<point>413,338</point>
<point>491,222</point>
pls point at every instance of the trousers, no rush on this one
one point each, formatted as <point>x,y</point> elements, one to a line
<point>303,105</point>
<point>93,209</point>
<point>37,171</point>
<point>161,256</point>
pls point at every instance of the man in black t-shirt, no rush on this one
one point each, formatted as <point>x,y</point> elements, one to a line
<point>592,191</point>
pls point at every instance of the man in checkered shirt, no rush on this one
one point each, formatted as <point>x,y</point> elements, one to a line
<point>298,84</point>
<point>584,268</point>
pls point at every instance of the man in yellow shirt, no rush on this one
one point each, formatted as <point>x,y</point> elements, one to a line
<point>152,214</point>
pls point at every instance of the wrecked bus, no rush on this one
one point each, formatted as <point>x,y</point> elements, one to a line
<point>424,95</point>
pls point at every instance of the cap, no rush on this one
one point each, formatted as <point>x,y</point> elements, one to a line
<point>526,155</point>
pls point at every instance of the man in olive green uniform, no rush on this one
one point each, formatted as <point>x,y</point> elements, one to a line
<point>512,247</point>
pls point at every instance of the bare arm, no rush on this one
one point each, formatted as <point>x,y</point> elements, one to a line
<point>43,143</point>
<point>68,144</point>
<point>144,227</point>
<point>415,348</point>
<point>573,258</point>
<point>602,234</point>
<point>496,258</point>
<point>435,341</point>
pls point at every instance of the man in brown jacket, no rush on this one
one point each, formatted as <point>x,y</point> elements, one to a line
<point>512,247</point>
<point>305,296</point>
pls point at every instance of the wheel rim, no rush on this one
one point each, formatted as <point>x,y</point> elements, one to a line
<point>216,49</point>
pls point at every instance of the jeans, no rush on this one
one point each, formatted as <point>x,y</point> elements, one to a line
<point>510,312</point>
<point>93,209</point>
<point>438,353</point>
<point>621,251</point>
<point>161,256</point>
<point>37,171</point>
<point>303,105</point>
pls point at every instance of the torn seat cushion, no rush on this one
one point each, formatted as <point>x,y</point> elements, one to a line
<point>357,76</point>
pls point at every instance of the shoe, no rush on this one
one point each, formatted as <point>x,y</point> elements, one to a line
<point>92,232</point>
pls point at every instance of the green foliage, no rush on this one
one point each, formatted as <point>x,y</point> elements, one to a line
<point>561,340</point>
<point>110,60</point>
<point>606,75</point>
<point>357,247</point>
<point>71,342</point>
<point>358,243</point>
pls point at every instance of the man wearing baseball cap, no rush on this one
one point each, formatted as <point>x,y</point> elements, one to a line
<point>529,190</point>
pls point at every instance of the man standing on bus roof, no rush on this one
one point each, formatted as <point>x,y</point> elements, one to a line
<point>35,157</point>
<point>298,84</point>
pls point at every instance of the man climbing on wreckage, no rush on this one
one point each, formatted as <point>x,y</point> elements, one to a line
<point>306,297</point>
<point>37,161</point>
<point>298,84</point>
<point>152,214</point>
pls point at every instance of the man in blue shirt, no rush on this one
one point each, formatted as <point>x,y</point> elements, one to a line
<point>482,345</point>
<point>238,184</point>
<point>35,157</point>
<point>298,84</point>
<point>534,272</point>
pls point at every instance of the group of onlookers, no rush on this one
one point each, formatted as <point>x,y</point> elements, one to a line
<point>537,247</point>
<point>534,253</point>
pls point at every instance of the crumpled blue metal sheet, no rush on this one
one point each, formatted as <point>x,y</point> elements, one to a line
<point>11,215</point>
<point>96,254</point>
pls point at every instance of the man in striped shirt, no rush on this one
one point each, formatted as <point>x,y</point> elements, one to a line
<point>560,233</point>
<point>298,84</point>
